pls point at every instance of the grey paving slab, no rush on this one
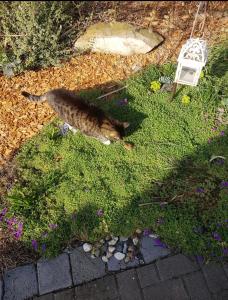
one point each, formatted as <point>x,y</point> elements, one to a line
<point>225,267</point>
<point>85,268</point>
<point>1,289</point>
<point>65,295</point>
<point>196,286</point>
<point>45,297</point>
<point>222,296</point>
<point>151,251</point>
<point>54,274</point>
<point>166,290</point>
<point>100,289</point>
<point>129,288</point>
<point>147,275</point>
<point>20,283</point>
<point>174,266</point>
<point>215,277</point>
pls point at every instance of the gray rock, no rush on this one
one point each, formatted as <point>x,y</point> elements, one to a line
<point>150,251</point>
<point>115,265</point>
<point>87,247</point>
<point>84,268</point>
<point>118,38</point>
<point>113,241</point>
<point>20,283</point>
<point>54,274</point>
<point>119,255</point>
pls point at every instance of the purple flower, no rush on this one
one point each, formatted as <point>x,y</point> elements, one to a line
<point>224,184</point>
<point>35,245</point>
<point>18,234</point>
<point>43,247</point>
<point>216,236</point>
<point>53,226</point>
<point>219,161</point>
<point>123,102</point>
<point>213,128</point>
<point>146,232</point>
<point>222,133</point>
<point>100,212</point>
<point>3,212</point>
<point>11,222</point>
<point>200,190</point>
<point>225,251</point>
<point>45,234</point>
<point>159,243</point>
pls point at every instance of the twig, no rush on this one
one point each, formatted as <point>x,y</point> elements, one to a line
<point>112,92</point>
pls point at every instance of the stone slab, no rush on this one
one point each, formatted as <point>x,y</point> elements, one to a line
<point>215,277</point>
<point>196,286</point>
<point>20,283</point>
<point>151,251</point>
<point>128,285</point>
<point>65,295</point>
<point>85,268</point>
<point>147,275</point>
<point>115,265</point>
<point>54,274</point>
<point>100,289</point>
<point>170,289</point>
<point>174,266</point>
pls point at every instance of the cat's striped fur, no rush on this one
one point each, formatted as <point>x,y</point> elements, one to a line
<point>90,120</point>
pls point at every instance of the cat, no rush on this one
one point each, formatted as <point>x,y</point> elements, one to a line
<point>89,119</point>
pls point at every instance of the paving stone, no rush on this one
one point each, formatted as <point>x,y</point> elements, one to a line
<point>20,283</point>
<point>222,296</point>
<point>175,266</point>
<point>54,274</point>
<point>128,285</point>
<point>150,251</point>
<point>45,297</point>
<point>147,275</point>
<point>225,266</point>
<point>1,289</point>
<point>85,268</point>
<point>115,265</point>
<point>100,289</point>
<point>215,277</point>
<point>166,290</point>
<point>196,286</point>
<point>65,295</point>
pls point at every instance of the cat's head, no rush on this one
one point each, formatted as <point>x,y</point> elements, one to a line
<point>115,130</point>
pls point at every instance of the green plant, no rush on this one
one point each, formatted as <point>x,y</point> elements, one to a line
<point>32,33</point>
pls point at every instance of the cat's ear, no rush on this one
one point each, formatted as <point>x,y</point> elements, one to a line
<point>126,124</point>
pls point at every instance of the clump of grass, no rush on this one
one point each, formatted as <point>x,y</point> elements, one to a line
<point>68,180</point>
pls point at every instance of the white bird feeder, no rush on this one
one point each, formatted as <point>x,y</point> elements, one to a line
<point>191,60</point>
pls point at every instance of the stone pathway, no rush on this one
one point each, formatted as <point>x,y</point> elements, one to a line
<point>75,275</point>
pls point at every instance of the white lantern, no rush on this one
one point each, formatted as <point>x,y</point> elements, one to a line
<point>191,60</point>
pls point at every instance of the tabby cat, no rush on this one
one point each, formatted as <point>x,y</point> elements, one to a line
<point>90,120</point>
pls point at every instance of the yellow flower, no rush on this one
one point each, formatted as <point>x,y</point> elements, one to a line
<point>185,100</point>
<point>155,86</point>
<point>201,74</point>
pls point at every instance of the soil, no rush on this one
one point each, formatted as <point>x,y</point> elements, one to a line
<point>20,120</point>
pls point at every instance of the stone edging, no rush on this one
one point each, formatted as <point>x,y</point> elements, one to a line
<point>71,268</point>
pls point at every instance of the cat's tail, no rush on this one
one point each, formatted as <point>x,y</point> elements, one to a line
<point>34,97</point>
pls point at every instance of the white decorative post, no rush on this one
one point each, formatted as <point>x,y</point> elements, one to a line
<point>191,60</point>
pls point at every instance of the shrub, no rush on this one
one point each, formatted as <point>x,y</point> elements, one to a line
<point>33,33</point>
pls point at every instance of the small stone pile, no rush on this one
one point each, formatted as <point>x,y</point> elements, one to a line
<point>122,248</point>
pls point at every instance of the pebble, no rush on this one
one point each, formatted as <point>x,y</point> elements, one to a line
<point>123,239</point>
<point>127,259</point>
<point>153,236</point>
<point>138,231</point>
<point>109,254</point>
<point>87,247</point>
<point>111,249</point>
<point>124,248</point>
<point>119,255</point>
<point>135,241</point>
<point>113,241</point>
<point>105,259</point>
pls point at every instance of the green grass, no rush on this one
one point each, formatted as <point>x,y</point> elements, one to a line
<point>60,176</point>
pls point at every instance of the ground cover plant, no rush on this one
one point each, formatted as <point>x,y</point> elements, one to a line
<point>173,182</point>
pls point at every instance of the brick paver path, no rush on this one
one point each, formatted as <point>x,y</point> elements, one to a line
<point>174,277</point>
